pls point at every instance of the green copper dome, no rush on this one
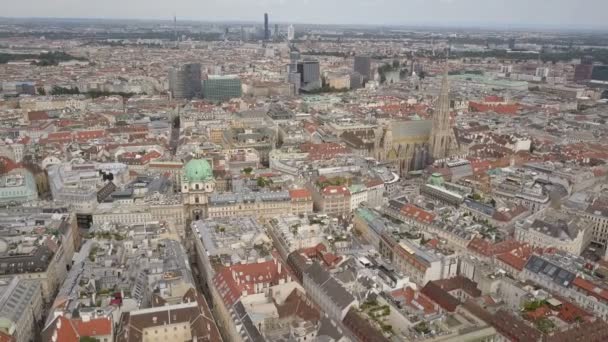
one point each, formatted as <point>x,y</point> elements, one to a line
<point>198,170</point>
<point>436,179</point>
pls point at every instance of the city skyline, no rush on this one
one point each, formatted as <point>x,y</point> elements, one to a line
<point>564,14</point>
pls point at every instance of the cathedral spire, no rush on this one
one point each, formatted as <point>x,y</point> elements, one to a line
<point>442,139</point>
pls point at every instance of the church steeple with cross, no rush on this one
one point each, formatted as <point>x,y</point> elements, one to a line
<point>442,140</point>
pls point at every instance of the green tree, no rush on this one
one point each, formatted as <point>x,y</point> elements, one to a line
<point>41,91</point>
<point>88,339</point>
<point>263,182</point>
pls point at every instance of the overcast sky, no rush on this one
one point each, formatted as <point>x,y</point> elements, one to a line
<point>496,13</point>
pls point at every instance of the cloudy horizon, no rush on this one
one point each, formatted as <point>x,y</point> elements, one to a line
<point>555,14</point>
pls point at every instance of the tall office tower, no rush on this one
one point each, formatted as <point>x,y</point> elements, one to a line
<point>266,29</point>
<point>512,44</point>
<point>185,81</point>
<point>584,71</point>
<point>443,141</point>
<point>291,33</point>
<point>276,30</point>
<point>175,27</point>
<point>311,74</point>
<point>356,80</point>
<point>363,65</point>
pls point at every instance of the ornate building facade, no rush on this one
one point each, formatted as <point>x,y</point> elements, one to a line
<point>405,145</point>
<point>197,185</point>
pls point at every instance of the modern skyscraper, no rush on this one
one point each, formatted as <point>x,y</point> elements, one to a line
<point>276,30</point>
<point>442,139</point>
<point>363,65</point>
<point>185,81</point>
<point>293,76</point>
<point>266,29</point>
<point>311,74</point>
<point>222,88</point>
<point>175,27</point>
<point>291,33</point>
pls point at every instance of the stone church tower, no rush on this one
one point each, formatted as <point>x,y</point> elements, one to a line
<point>443,142</point>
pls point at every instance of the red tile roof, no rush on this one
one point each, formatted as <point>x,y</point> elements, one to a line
<point>330,259</point>
<point>4,337</point>
<point>335,190</point>
<point>236,280</point>
<point>517,258</point>
<point>8,165</point>
<point>570,313</point>
<point>71,330</point>
<point>432,243</point>
<point>89,135</point>
<point>440,296</point>
<point>494,98</point>
<point>539,313</point>
<point>487,248</point>
<point>37,116</point>
<point>373,182</point>
<point>500,108</point>
<point>416,300</point>
<point>65,331</point>
<point>59,137</point>
<point>417,213</point>
<point>299,193</point>
<point>93,327</point>
<point>590,331</point>
<point>296,304</point>
<point>590,288</point>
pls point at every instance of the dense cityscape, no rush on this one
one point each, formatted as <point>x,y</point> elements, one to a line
<point>177,180</point>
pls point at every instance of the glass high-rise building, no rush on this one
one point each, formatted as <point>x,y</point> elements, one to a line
<point>222,88</point>
<point>185,81</point>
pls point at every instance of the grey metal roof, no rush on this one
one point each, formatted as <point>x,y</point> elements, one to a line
<point>251,333</point>
<point>250,197</point>
<point>338,294</point>
<point>557,274</point>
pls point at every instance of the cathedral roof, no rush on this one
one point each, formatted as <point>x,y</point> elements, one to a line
<point>410,129</point>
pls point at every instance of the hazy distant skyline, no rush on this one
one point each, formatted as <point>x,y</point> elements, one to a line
<point>489,13</point>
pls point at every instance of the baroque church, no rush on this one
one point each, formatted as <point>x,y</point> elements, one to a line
<point>197,185</point>
<point>412,145</point>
